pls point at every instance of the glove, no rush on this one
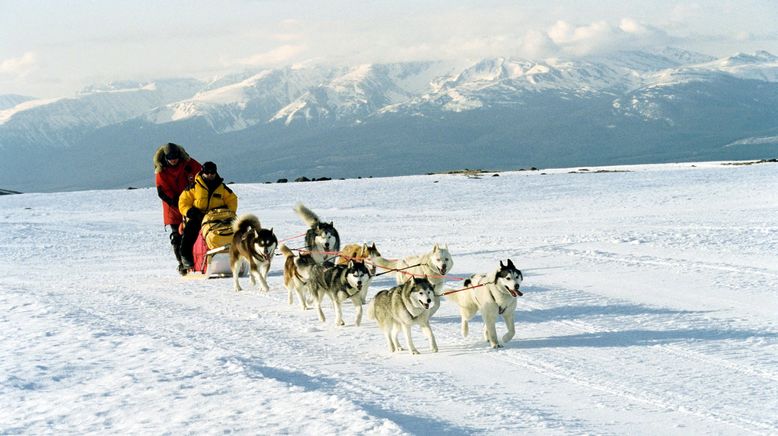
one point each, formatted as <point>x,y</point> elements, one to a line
<point>194,213</point>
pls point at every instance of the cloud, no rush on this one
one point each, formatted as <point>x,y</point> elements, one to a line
<point>602,36</point>
<point>20,66</point>
<point>536,44</point>
<point>280,55</point>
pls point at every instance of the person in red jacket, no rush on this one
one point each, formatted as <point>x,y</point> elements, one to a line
<point>174,169</point>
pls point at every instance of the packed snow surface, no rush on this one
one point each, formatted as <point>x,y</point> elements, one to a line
<point>649,307</point>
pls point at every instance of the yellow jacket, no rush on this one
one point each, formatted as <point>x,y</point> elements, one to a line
<point>197,195</point>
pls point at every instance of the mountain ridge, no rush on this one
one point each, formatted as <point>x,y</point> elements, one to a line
<point>627,107</point>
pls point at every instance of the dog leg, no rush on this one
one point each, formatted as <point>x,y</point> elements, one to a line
<point>357,300</point>
<point>508,317</point>
<point>235,273</point>
<point>394,336</point>
<point>388,335</point>
<point>338,311</point>
<point>490,330</point>
<point>465,324</point>
<point>301,295</point>
<point>318,307</point>
<point>261,274</point>
<point>407,330</point>
<point>431,337</point>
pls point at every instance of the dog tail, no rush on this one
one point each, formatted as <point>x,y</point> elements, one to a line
<point>246,221</point>
<point>306,214</point>
<point>286,251</point>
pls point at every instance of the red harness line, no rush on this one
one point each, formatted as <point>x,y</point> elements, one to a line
<point>293,237</point>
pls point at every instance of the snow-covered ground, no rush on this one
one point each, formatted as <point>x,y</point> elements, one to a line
<point>650,307</point>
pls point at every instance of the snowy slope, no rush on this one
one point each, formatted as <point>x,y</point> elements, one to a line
<point>649,308</point>
<point>55,121</point>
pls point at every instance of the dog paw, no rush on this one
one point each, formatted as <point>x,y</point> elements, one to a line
<point>435,350</point>
<point>414,351</point>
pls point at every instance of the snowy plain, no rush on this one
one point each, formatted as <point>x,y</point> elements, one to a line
<point>650,307</point>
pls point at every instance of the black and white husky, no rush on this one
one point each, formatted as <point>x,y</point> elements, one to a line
<point>401,307</point>
<point>340,282</point>
<point>321,238</point>
<point>494,294</point>
<point>256,245</point>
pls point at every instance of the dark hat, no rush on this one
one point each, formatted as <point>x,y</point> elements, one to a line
<point>209,168</point>
<point>172,151</point>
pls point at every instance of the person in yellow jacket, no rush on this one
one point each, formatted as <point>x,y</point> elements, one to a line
<point>207,192</point>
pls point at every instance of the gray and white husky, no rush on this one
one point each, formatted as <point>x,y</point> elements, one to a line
<point>433,266</point>
<point>321,238</point>
<point>340,282</point>
<point>401,307</point>
<point>297,274</point>
<point>496,294</point>
<point>255,244</point>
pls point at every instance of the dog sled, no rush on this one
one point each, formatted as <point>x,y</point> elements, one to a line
<point>211,249</point>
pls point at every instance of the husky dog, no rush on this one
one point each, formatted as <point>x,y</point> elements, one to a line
<point>360,253</point>
<point>339,282</point>
<point>494,295</point>
<point>297,273</point>
<point>255,244</point>
<point>433,265</point>
<point>320,237</point>
<point>401,307</point>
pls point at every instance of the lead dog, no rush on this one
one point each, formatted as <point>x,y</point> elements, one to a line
<point>401,307</point>
<point>297,273</point>
<point>433,266</point>
<point>339,282</point>
<point>255,244</point>
<point>494,294</point>
<point>321,238</point>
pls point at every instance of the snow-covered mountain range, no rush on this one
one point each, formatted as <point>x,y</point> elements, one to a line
<point>385,119</point>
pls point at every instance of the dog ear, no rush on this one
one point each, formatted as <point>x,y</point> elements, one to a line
<point>501,265</point>
<point>436,248</point>
<point>373,246</point>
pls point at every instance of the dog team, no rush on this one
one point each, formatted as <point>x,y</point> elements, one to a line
<point>322,270</point>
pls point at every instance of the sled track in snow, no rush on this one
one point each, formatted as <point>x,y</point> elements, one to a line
<point>553,364</point>
<point>632,260</point>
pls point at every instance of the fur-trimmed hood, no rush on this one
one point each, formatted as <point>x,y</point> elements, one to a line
<point>159,156</point>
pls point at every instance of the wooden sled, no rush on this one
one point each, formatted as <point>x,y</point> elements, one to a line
<point>213,263</point>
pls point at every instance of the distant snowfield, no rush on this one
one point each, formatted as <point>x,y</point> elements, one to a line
<point>650,302</point>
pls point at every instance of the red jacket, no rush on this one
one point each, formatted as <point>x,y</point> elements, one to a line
<point>171,182</point>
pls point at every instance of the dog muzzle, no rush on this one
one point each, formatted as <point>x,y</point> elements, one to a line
<point>515,292</point>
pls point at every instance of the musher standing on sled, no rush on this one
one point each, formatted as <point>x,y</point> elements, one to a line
<point>174,171</point>
<point>207,192</point>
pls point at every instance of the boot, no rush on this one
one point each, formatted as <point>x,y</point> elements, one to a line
<point>175,241</point>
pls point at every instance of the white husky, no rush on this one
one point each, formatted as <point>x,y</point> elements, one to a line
<point>433,266</point>
<point>492,294</point>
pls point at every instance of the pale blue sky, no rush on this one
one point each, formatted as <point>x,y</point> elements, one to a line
<point>53,48</point>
